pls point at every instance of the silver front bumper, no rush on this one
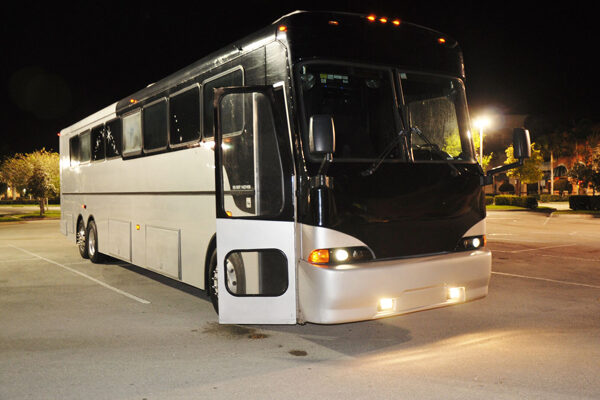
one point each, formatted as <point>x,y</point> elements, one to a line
<point>352,292</point>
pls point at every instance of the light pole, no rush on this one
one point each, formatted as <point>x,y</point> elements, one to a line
<point>481,123</point>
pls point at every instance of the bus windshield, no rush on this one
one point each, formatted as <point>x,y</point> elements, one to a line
<point>362,103</point>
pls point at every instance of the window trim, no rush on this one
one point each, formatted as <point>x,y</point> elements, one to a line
<point>74,163</point>
<point>200,120</point>
<point>132,153</point>
<point>167,116</point>
<point>86,132</point>
<point>102,127</point>
<point>121,148</point>
<point>203,84</point>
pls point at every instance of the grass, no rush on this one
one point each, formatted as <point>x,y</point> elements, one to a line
<point>50,214</point>
<point>584,212</point>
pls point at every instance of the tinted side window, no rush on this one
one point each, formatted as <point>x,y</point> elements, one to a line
<point>113,134</point>
<point>98,143</point>
<point>234,78</point>
<point>85,147</point>
<point>74,150</point>
<point>184,111</point>
<point>132,134</point>
<point>155,126</point>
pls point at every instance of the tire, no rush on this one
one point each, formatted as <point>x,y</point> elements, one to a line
<point>81,239</point>
<point>236,277</point>
<point>92,243</point>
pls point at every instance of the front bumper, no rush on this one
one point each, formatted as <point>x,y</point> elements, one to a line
<point>348,293</point>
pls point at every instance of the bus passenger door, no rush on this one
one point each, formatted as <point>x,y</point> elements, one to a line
<point>255,207</point>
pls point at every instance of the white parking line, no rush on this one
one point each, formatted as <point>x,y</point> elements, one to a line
<point>106,285</point>
<point>546,280</point>
<point>534,249</point>
<point>19,259</point>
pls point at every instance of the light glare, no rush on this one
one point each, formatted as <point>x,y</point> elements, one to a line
<point>386,304</point>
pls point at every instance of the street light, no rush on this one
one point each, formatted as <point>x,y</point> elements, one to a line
<point>480,123</point>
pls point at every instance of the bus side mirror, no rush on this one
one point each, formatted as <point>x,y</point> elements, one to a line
<point>521,143</point>
<point>321,134</point>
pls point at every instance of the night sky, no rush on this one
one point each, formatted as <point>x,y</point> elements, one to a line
<point>61,63</point>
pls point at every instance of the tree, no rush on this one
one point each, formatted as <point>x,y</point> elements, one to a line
<point>453,146</point>
<point>531,170</point>
<point>15,172</point>
<point>40,186</point>
<point>556,144</point>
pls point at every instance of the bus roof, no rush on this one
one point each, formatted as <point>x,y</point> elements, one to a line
<point>339,35</point>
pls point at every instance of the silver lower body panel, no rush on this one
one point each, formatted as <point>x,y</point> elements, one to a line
<point>352,292</point>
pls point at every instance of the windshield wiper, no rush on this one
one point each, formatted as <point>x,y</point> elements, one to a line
<point>403,136</point>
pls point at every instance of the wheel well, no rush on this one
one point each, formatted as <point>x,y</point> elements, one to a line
<point>212,245</point>
<point>79,219</point>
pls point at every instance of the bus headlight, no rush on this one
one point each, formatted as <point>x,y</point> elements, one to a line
<point>471,243</point>
<point>340,255</point>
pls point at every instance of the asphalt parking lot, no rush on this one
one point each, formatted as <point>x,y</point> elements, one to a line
<point>70,329</point>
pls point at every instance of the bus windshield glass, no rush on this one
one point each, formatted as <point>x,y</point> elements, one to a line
<point>362,103</point>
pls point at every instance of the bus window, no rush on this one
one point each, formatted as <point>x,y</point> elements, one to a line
<point>234,78</point>
<point>184,109</point>
<point>132,134</point>
<point>74,150</point>
<point>113,135</point>
<point>85,147</point>
<point>97,143</point>
<point>155,126</point>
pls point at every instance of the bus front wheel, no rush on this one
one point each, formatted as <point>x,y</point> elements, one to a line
<point>236,277</point>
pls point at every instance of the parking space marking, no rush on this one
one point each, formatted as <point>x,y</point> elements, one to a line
<point>534,249</point>
<point>19,259</point>
<point>546,280</point>
<point>99,282</point>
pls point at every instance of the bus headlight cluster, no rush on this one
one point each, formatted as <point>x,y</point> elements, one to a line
<point>471,243</point>
<point>340,255</point>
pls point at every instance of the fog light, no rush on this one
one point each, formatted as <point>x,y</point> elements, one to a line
<point>386,304</point>
<point>456,293</point>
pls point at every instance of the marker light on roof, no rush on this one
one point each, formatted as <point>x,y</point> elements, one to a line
<point>441,40</point>
<point>334,23</point>
<point>372,17</point>
<point>383,20</point>
<point>282,28</point>
<point>396,22</point>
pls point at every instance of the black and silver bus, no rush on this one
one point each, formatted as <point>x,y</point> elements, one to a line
<point>321,169</point>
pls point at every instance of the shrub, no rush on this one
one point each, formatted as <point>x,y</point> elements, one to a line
<point>518,201</point>
<point>563,185</point>
<point>584,202</point>
<point>506,188</point>
<point>553,197</point>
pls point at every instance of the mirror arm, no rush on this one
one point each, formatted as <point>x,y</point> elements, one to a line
<point>488,179</point>
<point>325,164</point>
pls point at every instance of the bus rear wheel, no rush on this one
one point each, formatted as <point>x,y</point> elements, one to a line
<point>81,239</point>
<point>234,271</point>
<point>92,243</point>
